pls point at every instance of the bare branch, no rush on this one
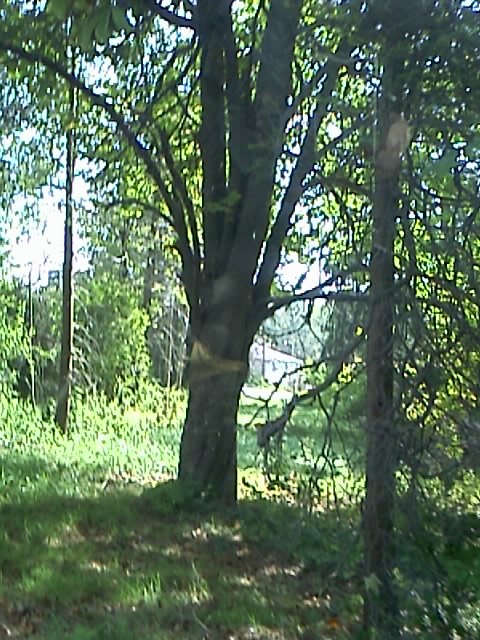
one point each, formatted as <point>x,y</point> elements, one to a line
<point>169,16</point>
<point>294,190</point>
<point>327,290</point>
<point>318,293</point>
<point>274,427</point>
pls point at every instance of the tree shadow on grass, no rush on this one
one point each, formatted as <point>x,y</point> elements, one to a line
<point>130,564</point>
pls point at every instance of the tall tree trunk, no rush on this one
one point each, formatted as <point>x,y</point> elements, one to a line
<point>240,138</point>
<point>380,608</point>
<point>31,329</point>
<point>217,370</point>
<point>65,372</point>
<point>209,440</point>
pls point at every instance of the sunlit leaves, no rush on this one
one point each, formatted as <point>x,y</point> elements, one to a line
<point>59,9</point>
<point>443,166</point>
<point>91,22</point>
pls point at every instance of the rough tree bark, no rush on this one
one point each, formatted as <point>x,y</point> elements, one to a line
<point>240,140</point>
<point>380,606</point>
<point>209,442</point>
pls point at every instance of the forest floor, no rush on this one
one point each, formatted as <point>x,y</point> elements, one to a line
<point>97,542</point>
<point>128,563</point>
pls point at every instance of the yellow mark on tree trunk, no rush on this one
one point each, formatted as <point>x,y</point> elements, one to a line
<point>205,364</point>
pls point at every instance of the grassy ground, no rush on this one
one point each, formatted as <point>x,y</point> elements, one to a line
<point>97,542</point>
<point>120,565</point>
<point>90,548</point>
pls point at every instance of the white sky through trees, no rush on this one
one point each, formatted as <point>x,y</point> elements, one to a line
<point>35,235</point>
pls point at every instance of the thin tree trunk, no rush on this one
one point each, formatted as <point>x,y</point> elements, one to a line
<point>380,610</point>
<point>31,328</point>
<point>65,373</point>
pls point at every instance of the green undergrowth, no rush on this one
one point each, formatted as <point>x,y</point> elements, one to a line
<point>105,443</point>
<point>97,541</point>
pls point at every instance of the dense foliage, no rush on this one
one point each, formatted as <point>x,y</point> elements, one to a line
<point>233,178</point>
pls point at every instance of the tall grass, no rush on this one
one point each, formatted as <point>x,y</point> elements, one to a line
<point>105,443</point>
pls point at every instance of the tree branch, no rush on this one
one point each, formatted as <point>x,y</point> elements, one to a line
<point>274,427</point>
<point>239,141</point>
<point>181,192</point>
<point>169,16</point>
<point>318,293</point>
<point>238,102</point>
<point>213,19</point>
<point>294,190</point>
<point>273,87</point>
<point>130,136</point>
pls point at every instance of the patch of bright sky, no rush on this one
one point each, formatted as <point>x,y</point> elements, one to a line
<point>36,246</point>
<point>36,234</point>
<point>292,270</point>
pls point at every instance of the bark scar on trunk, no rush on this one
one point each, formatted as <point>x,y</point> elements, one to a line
<point>205,364</point>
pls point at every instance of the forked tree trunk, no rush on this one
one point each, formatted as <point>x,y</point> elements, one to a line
<point>380,606</point>
<point>241,139</point>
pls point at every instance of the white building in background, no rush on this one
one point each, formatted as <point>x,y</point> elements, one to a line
<point>273,365</point>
